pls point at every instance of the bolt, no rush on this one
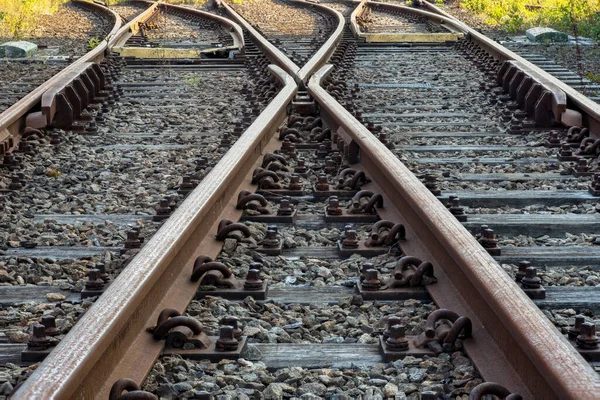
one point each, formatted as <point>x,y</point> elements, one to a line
<point>256,265</point>
<point>271,239</point>
<point>371,281</point>
<point>54,138</point>
<point>531,280</point>
<point>91,127</point>
<point>133,241</point>
<point>396,340</point>
<point>201,163</point>
<point>587,338</point>
<point>39,340</point>
<point>365,268</point>
<point>226,340</point>
<point>225,140</point>
<point>574,331</point>
<point>489,241</point>
<point>103,275</point>
<point>456,209</point>
<point>237,130</point>
<point>49,323</point>
<point>553,140</point>
<point>595,186</point>
<point>163,207</point>
<point>94,281</point>
<point>329,167</point>
<point>350,238</point>
<point>523,265</point>
<point>322,184</point>
<point>15,183</point>
<point>100,116</point>
<point>253,281</point>
<point>392,320</point>
<point>285,207</point>
<point>187,185</point>
<point>333,207</point>
<point>566,151</point>
<point>582,166</point>
<point>291,151</point>
<point>294,182</point>
<point>431,184</point>
<point>9,159</point>
<point>300,167</point>
<point>322,150</point>
<point>384,140</point>
<point>233,322</point>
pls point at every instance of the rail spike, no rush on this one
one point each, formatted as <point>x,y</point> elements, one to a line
<point>493,389</point>
<point>252,201</point>
<point>411,271</point>
<point>365,201</point>
<point>227,226</point>
<point>178,330</point>
<point>385,233</point>
<point>351,179</point>
<point>133,391</point>
<point>443,327</point>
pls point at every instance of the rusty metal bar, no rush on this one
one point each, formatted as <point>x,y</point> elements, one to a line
<point>321,56</point>
<point>238,34</point>
<point>526,345</point>
<point>110,341</point>
<point>275,55</point>
<point>357,11</point>
<point>448,23</point>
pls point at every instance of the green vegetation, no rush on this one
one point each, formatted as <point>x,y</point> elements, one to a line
<point>94,42</point>
<point>575,17</point>
<point>17,17</point>
<point>197,2</point>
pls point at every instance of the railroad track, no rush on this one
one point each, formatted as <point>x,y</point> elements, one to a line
<point>341,257</point>
<point>22,75</point>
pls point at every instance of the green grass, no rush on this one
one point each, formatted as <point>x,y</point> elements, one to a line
<point>575,17</point>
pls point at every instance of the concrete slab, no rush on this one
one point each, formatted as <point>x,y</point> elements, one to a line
<point>543,34</point>
<point>18,49</point>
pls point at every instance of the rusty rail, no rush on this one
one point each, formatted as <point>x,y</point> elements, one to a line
<point>515,342</point>
<point>238,34</point>
<point>275,55</point>
<point>300,74</point>
<point>512,338</point>
<point>100,348</point>
<point>321,56</point>
<point>454,30</point>
<point>12,120</point>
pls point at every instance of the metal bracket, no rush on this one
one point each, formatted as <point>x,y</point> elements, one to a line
<point>210,353</point>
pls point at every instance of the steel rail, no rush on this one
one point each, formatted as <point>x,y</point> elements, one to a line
<point>512,338</point>
<point>448,23</point>
<point>238,34</point>
<point>236,29</point>
<point>274,55</point>
<point>12,120</point>
<point>327,49</point>
<point>110,341</point>
<point>590,110</point>
<point>357,11</point>
<point>300,74</point>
